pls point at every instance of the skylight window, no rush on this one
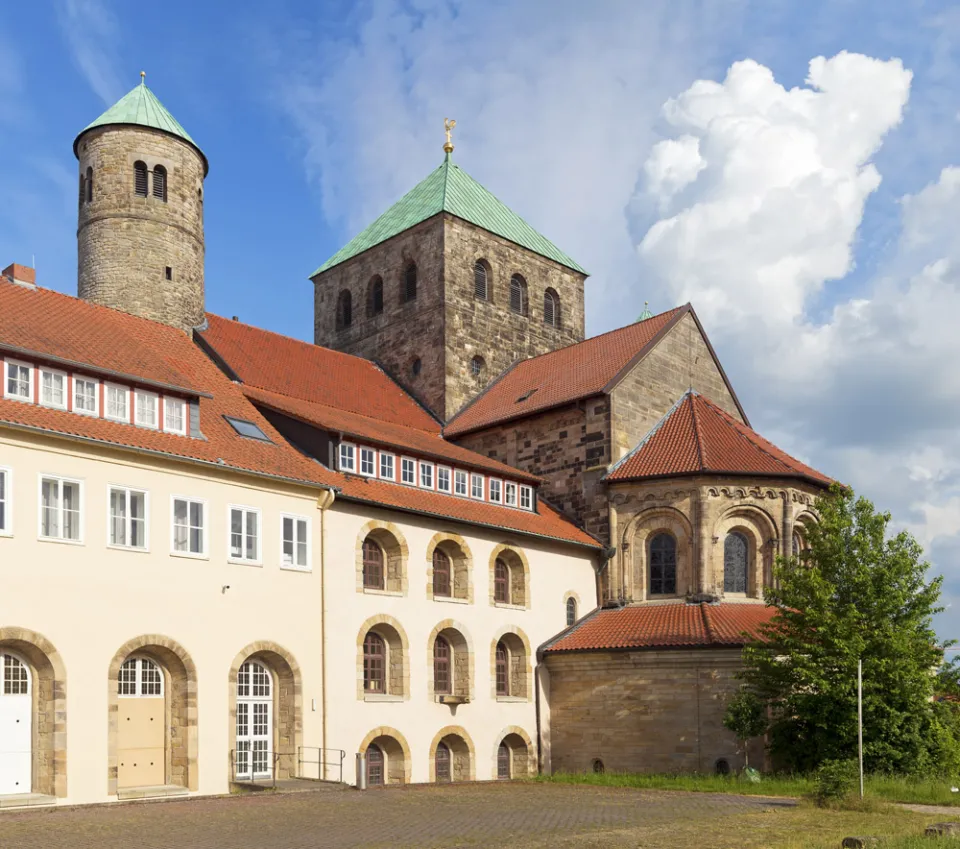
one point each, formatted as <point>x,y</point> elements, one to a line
<point>247,429</point>
<point>526,395</point>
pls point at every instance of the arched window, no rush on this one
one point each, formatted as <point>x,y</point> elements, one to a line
<point>501,582</point>
<point>502,667</point>
<point>441,573</point>
<point>735,549</point>
<point>409,291</point>
<point>372,565</point>
<point>140,179</point>
<point>374,663</point>
<point>571,611</point>
<point>375,296</point>
<point>89,185</point>
<point>477,365</point>
<point>663,565</point>
<point>160,182</point>
<point>139,676</point>
<point>254,721</point>
<point>443,762</point>
<point>551,308</point>
<point>442,678</point>
<point>503,761</point>
<point>16,678</point>
<point>83,190</point>
<point>375,777</point>
<point>344,309</point>
<point>797,544</point>
<point>416,367</point>
<point>598,767</point>
<point>518,294</point>
<point>480,290</point>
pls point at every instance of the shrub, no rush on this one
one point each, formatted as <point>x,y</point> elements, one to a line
<point>836,781</point>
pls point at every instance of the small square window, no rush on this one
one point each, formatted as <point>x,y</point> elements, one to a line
<point>189,527</point>
<point>168,272</point>
<point>426,475</point>
<point>368,462</point>
<point>295,542</point>
<point>18,381</point>
<point>250,430</point>
<point>526,498</point>
<point>408,471</point>
<point>61,509</point>
<point>53,389</point>
<point>117,403</point>
<point>476,486</point>
<point>128,518</point>
<point>443,478</point>
<point>175,416</point>
<point>146,409</point>
<point>496,491</point>
<point>86,396</point>
<point>460,483</point>
<point>244,535</point>
<point>510,494</point>
<point>348,457</point>
<point>388,469</point>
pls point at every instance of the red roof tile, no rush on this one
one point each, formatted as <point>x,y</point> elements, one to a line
<point>562,376</point>
<point>698,437</point>
<point>670,625</point>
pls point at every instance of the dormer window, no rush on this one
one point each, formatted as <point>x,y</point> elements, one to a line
<point>19,382</point>
<point>53,389</point>
<point>348,457</point>
<point>146,411</point>
<point>174,416</point>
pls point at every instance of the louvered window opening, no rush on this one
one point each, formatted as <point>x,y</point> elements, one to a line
<point>374,766</point>
<point>410,283</point>
<point>503,761</point>
<point>501,582</point>
<point>663,565</point>
<point>441,573</point>
<point>518,294</point>
<point>480,281</point>
<point>503,686</point>
<point>443,762</point>
<point>735,563</point>
<point>551,309</point>
<point>160,183</point>
<point>374,663</point>
<point>441,666</point>
<point>372,565</point>
<point>140,179</point>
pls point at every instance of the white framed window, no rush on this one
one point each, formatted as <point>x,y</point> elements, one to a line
<point>426,475</point>
<point>116,402</point>
<point>139,677</point>
<point>61,509</point>
<point>146,409</point>
<point>53,388</point>
<point>244,532</point>
<point>368,462</point>
<point>127,519</point>
<point>510,494</point>
<point>174,415</point>
<point>86,396</point>
<point>388,466</point>
<point>476,486</point>
<point>6,502</point>
<point>18,381</point>
<point>443,478</point>
<point>295,542</point>
<point>348,457</point>
<point>496,491</point>
<point>526,498</point>
<point>460,483</point>
<point>189,527</point>
<point>408,471</point>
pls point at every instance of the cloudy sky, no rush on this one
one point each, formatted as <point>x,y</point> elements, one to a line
<point>792,169</point>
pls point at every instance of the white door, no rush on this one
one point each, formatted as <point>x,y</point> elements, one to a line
<point>254,757</point>
<point>16,730</point>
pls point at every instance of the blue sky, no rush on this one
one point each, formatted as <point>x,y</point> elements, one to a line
<point>678,150</point>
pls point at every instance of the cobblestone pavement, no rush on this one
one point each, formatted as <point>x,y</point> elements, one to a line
<point>491,815</point>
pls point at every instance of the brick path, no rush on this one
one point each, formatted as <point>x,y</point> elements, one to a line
<point>488,815</point>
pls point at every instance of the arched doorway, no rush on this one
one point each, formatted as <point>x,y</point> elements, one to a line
<point>255,754</point>
<point>16,725</point>
<point>141,724</point>
<point>375,774</point>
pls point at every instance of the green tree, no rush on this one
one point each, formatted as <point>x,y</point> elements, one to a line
<point>746,717</point>
<point>854,592</point>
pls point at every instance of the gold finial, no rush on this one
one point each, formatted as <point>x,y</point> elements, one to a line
<point>448,125</point>
<point>143,78</point>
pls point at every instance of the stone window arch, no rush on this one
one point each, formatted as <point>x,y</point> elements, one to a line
<point>571,612</point>
<point>635,548</point>
<point>452,755</point>
<point>551,308</point>
<point>408,291</point>
<point>382,660</point>
<point>482,280</point>
<point>756,533</point>
<point>457,553</point>
<point>510,666</point>
<point>375,296</point>
<point>373,560</point>
<point>376,776</point>
<point>518,294</point>
<point>509,577</point>
<point>391,750</point>
<point>160,183</point>
<point>387,537</point>
<point>452,666</point>
<point>140,178</point>
<point>344,309</point>
<point>515,754</point>
<point>662,558</point>
<point>442,574</point>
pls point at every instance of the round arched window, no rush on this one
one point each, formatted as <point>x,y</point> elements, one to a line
<point>416,367</point>
<point>735,549</point>
<point>598,766</point>
<point>571,611</point>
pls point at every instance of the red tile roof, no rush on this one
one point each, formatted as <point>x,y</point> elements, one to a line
<point>563,376</point>
<point>698,437</point>
<point>668,625</point>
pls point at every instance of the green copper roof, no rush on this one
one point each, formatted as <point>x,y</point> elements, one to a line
<point>450,189</point>
<point>646,312</point>
<point>142,108</point>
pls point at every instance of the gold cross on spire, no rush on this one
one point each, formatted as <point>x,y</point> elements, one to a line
<point>448,125</point>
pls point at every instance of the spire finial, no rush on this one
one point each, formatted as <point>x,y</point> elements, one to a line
<point>448,125</point>
<point>143,78</point>
<point>646,312</point>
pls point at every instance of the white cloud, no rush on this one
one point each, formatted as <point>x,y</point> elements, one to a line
<point>92,33</point>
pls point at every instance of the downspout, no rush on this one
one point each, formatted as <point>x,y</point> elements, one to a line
<point>324,501</point>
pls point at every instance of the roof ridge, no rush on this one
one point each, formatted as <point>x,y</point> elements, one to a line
<point>697,435</point>
<point>650,434</point>
<point>711,637</point>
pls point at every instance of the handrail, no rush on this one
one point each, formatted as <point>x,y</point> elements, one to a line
<point>322,762</point>
<point>250,757</point>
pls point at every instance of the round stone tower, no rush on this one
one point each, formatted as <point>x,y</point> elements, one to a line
<point>140,222</point>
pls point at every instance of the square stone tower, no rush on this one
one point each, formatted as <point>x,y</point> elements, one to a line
<point>446,290</point>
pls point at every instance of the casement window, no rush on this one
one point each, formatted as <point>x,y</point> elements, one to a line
<point>496,491</point>
<point>502,665</point>
<point>388,466</point>
<point>503,762</point>
<point>245,533</point>
<point>663,565</point>
<point>510,494</point>
<point>441,573</point>
<point>189,527</point>
<point>476,486</point>
<point>61,509</point>
<point>18,381</point>
<point>6,502</point>
<point>53,389</point>
<point>374,663</point>
<point>373,573</point>
<point>571,611</point>
<point>86,396</point>
<point>501,582</point>
<point>248,430</point>
<point>128,518</point>
<point>348,457</point>
<point>175,416</point>
<point>408,471</point>
<point>526,498</point>
<point>441,667</point>
<point>117,402</point>
<point>442,763</point>
<point>295,545</point>
<point>146,409</point>
<point>443,478</point>
<point>460,483</point>
<point>139,676</point>
<point>368,462</point>
<point>426,475</point>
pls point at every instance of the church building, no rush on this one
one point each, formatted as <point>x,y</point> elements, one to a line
<point>451,536</point>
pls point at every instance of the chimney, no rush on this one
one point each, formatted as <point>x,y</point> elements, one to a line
<point>21,274</point>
